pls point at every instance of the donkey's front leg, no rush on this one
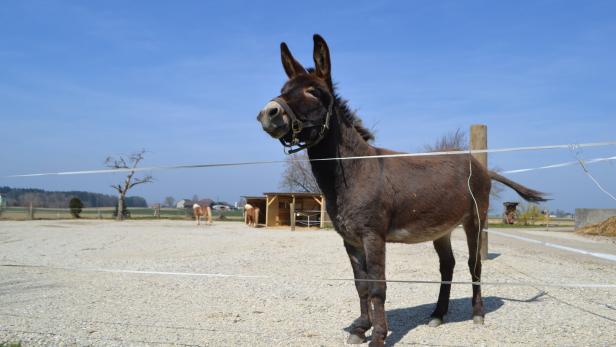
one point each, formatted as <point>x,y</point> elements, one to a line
<point>362,323</point>
<point>374,247</point>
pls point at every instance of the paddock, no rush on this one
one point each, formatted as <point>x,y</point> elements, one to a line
<point>73,301</point>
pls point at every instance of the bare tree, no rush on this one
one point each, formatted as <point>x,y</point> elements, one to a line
<point>297,176</point>
<point>33,199</point>
<point>130,164</point>
<point>169,201</point>
<point>452,141</point>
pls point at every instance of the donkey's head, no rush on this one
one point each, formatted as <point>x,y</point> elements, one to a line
<point>300,115</point>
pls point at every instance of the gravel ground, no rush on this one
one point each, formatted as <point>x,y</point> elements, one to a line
<point>52,306</point>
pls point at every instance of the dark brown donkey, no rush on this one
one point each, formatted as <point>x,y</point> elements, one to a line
<point>409,199</point>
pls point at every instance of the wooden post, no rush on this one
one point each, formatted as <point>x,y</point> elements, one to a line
<point>292,214</point>
<point>271,210</point>
<point>322,211</point>
<point>31,212</point>
<point>479,141</point>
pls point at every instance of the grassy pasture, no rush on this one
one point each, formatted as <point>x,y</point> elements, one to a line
<point>21,213</point>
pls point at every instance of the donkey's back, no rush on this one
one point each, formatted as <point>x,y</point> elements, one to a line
<point>432,195</point>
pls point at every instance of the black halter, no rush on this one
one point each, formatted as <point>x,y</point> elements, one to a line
<point>297,125</point>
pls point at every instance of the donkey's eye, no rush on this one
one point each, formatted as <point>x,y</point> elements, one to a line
<point>311,91</point>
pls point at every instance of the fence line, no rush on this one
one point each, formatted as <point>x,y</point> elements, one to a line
<point>592,178</point>
<point>320,279</point>
<point>604,256</point>
<point>572,147</point>
<point>246,163</point>
<point>21,212</point>
<point>559,165</point>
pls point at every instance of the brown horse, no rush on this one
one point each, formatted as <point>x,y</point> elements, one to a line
<point>204,211</point>
<point>251,215</point>
<point>412,199</point>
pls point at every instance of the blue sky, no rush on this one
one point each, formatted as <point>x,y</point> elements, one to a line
<point>83,80</point>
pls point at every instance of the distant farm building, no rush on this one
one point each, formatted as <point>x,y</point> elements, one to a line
<point>222,207</point>
<point>290,209</point>
<point>184,203</point>
<point>510,213</point>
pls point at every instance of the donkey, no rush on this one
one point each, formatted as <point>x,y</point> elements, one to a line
<point>413,199</point>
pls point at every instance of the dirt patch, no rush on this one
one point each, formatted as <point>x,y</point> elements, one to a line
<point>65,303</point>
<point>605,228</point>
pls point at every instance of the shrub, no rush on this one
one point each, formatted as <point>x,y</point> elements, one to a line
<point>75,205</point>
<point>529,214</point>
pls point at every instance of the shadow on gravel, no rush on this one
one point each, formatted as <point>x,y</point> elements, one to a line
<point>402,320</point>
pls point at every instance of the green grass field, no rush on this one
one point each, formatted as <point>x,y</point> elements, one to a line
<point>554,222</point>
<point>22,213</point>
<point>10,344</point>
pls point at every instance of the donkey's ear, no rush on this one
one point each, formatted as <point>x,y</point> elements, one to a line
<point>291,66</point>
<point>322,64</point>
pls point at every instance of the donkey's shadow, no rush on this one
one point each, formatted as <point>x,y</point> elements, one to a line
<point>402,320</point>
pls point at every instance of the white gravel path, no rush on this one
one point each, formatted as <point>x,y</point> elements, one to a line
<point>43,306</point>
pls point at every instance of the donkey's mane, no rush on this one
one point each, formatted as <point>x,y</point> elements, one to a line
<point>350,116</point>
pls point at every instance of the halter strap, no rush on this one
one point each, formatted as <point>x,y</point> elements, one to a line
<point>297,125</point>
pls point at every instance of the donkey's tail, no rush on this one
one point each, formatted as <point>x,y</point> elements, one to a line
<point>526,193</point>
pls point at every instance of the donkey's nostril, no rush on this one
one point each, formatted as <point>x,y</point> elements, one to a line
<point>273,111</point>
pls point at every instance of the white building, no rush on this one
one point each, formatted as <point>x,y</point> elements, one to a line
<point>183,203</point>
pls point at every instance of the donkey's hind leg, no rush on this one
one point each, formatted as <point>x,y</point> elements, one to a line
<point>447,263</point>
<point>473,240</point>
<point>362,323</point>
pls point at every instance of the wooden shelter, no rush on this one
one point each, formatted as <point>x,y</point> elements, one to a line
<point>290,209</point>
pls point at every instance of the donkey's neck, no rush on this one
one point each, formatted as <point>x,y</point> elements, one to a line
<point>342,140</point>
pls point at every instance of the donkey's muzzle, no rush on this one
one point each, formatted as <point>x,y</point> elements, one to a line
<point>273,120</point>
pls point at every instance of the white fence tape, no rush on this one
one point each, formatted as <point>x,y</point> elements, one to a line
<point>565,164</point>
<point>305,279</point>
<point>605,256</point>
<point>397,155</point>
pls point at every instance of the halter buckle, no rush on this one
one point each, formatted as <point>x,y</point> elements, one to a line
<point>296,126</point>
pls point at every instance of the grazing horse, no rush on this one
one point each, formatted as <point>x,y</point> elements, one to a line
<point>251,215</point>
<point>413,199</point>
<point>199,211</point>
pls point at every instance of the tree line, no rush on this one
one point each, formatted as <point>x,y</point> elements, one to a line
<point>55,199</point>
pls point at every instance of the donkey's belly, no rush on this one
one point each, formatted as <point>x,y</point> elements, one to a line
<point>412,234</point>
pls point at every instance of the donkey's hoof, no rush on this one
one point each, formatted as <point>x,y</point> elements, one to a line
<point>356,339</point>
<point>434,322</point>
<point>478,320</point>
<point>377,343</point>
